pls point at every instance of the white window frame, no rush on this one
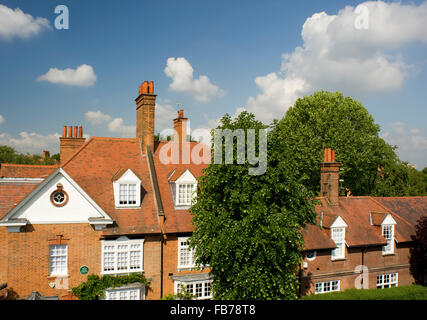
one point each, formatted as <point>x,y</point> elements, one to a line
<point>138,293</point>
<point>193,193</point>
<point>327,286</point>
<point>186,248</point>
<point>387,230</point>
<point>195,287</point>
<point>336,254</point>
<point>113,247</point>
<point>387,280</point>
<point>53,257</point>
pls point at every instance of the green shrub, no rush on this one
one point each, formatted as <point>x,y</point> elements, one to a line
<point>412,292</point>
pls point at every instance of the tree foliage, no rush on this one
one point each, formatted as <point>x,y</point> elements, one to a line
<point>9,155</point>
<point>324,119</point>
<point>418,257</point>
<point>94,287</point>
<point>248,227</point>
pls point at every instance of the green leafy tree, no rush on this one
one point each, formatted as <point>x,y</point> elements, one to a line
<point>248,227</point>
<point>418,257</point>
<point>9,155</point>
<point>325,119</point>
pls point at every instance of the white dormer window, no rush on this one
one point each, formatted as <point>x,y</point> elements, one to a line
<point>184,189</point>
<point>387,230</point>
<point>338,236</point>
<point>127,190</point>
<point>388,234</point>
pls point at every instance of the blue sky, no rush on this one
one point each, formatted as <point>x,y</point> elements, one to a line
<point>236,50</point>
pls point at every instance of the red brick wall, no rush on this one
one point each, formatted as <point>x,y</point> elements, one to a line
<point>28,257</point>
<point>170,264</point>
<point>322,268</point>
<point>24,258</point>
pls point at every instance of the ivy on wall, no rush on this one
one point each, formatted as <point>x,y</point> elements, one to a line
<point>94,287</point>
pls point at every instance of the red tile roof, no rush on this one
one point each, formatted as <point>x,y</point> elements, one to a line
<point>12,194</point>
<point>409,208</point>
<point>355,211</point>
<point>175,220</point>
<point>8,170</point>
<point>93,167</point>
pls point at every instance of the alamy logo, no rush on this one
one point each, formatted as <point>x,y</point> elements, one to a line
<point>62,21</point>
<point>182,152</point>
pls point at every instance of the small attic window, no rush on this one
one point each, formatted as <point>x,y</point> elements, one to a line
<point>59,197</point>
<point>127,190</point>
<point>183,188</point>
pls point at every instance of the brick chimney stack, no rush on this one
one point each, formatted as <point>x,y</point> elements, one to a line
<point>70,143</point>
<point>145,105</point>
<point>329,177</point>
<point>180,127</point>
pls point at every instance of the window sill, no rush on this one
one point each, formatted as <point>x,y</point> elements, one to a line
<point>388,254</point>
<point>127,207</point>
<point>339,259</point>
<point>54,276</point>
<point>115,273</point>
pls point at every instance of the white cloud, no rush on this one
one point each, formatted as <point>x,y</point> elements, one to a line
<point>82,76</point>
<point>2,119</point>
<point>97,117</point>
<point>337,56</point>
<point>114,125</point>
<point>181,73</point>
<point>412,144</point>
<point>31,142</point>
<point>16,23</point>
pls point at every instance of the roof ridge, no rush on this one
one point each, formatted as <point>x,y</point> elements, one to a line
<point>29,165</point>
<point>113,138</point>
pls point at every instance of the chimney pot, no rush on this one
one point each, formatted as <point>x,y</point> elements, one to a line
<point>150,87</point>
<point>143,88</point>
<point>75,131</point>
<point>64,131</point>
<point>70,132</point>
<point>80,132</point>
<point>181,114</point>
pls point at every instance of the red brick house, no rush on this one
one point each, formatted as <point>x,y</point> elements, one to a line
<point>360,242</point>
<point>115,206</point>
<point>111,207</point>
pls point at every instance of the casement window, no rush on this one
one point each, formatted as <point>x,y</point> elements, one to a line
<point>58,259</point>
<point>338,235</point>
<point>387,280</point>
<point>388,234</point>
<point>185,254</point>
<point>127,193</point>
<point>122,256</point>
<point>327,286</point>
<point>201,289</point>
<point>124,294</point>
<point>185,193</point>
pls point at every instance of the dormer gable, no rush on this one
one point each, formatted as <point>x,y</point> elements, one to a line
<point>339,223</point>
<point>127,189</point>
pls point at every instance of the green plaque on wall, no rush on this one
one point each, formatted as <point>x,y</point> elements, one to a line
<point>84,270</point>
